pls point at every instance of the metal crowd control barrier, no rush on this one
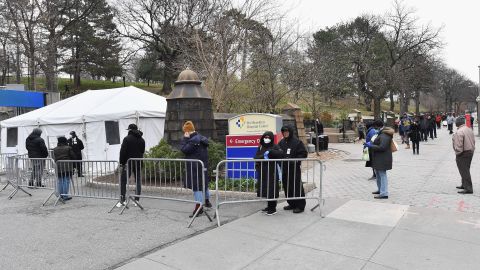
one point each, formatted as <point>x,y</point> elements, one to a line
<point>9,171</point>
<point>98,179</point>
<point>34,173</point>
<point>4,162</point>
<point>260,180</point>
<point>164,179</point>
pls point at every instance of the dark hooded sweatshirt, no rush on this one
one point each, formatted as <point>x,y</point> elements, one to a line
<point>267,174</point>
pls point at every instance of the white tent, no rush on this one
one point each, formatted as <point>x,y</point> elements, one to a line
<point>99,117</point>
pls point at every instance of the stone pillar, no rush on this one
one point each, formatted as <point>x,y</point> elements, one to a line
<point>295,111</point>
<point>188,102</point>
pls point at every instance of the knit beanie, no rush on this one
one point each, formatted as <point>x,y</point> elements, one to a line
<point>188,127</point>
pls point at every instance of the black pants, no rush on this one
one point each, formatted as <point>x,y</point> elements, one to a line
<point>294,189</point>
<point>450,128</point>
<point>272,205</point>
<point>435,132</point>
<point>78,167</point>
<point>415,145</point>
<point>464,160</point>
<point>37,172</point>
<point>430,132</point>
<point>136,170</point>
<point>424,134</point>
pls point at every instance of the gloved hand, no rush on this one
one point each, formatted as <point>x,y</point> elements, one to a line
<point>368,144</point>
<point>265,155</point>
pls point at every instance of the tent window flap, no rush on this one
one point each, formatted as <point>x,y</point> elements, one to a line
<point>12,137</point>
<point>112,132</point>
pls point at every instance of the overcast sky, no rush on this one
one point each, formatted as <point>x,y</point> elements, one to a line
<point>460,20</point>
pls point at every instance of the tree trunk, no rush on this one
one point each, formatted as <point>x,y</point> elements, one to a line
<point>392,102</point>
<point>168,73</point>
<point>77,70</point>
<point>18,70</point>
<point>368,103</point>
<point>377,107</point>
<point>31,70</point>
<point>417,102</point>
<point>50,64</point>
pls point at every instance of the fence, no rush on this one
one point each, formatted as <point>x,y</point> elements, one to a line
<point>96,179</point>
<point>166,179</point>
<point>8,161</point>
<point>4,161</point>
<point>34,173</point>
<point>293,180</point>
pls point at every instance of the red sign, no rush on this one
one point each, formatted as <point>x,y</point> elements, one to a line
<point>247,140</point>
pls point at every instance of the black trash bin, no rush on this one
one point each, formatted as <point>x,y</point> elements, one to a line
<point>322,142</point>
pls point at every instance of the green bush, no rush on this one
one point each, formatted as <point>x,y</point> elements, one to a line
<point>153,170</point>
<point>163,150</point>
<point>216,153</point>
<point>240,185</point>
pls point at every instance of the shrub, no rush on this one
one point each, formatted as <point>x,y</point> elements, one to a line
<point>240,185</point>
<point>307,116</point>
<point>216,153</point>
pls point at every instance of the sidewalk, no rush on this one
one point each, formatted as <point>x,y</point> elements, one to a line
<point>424,225</point>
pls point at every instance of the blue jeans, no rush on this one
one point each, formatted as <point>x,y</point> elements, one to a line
<point>63,185</point>
<point>198,195</point>
<point>382,182</point>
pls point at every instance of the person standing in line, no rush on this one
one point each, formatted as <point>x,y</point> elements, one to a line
<point>438,121</point>
<point>464,146</point>
<point>472,120</point>
<point>406,123</point>
<point>450,121</point>
<point>361,132</point>
<point>77,146</point>
<point>319,127</point>
<point>382,159</point>
<point>266,171</point>
<point>133,146</point>
<point>36,149</point>
<point>195,146</point>
<point>291,170</point>
<point>431,126</point>
<point>371,133</point>
<point>424,128</point>
<point>64,170</point>
<point>415,137</point>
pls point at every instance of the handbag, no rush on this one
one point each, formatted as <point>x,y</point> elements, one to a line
<point>393,146</point>
<point>365,156</point>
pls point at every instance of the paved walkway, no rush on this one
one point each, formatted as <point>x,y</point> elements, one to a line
<point>424,225</point>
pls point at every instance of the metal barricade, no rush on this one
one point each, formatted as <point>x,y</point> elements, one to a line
<point>9,172</point>
<point>4,162</point>
<point>291,180</point>
<point>164,179</point>
<point>96,179</point>
<point>33,173</point>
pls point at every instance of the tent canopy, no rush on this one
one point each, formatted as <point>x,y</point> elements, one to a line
<point>95,105</point>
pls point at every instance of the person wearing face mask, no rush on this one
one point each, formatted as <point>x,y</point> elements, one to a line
<point>77,146</point>
<point>266,171</point>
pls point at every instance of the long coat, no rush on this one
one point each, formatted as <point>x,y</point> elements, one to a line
<point>291,170</point>
<point>195,147</point>
<point>64,152</point>
<point>77,146</point>
<point>36,146</point>
<point>267,171</point>
<point>415,135</point>
<point>382,151</point>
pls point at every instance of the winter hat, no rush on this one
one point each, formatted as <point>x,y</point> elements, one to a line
<point>132,127</point>
<point>72,133</point>
<point>460,121</point>
<point>188,127</point>
<point>62,140</point>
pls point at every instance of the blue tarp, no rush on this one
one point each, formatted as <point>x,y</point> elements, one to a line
<point>25,99</point>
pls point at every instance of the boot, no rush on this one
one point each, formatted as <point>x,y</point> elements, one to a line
<point>208,204</point>
<point>408,146</point>
<point>195,210</point>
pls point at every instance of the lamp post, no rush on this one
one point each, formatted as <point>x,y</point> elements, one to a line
<point>478,103</point>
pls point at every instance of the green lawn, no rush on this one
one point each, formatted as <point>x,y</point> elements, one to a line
<point>87,84</point>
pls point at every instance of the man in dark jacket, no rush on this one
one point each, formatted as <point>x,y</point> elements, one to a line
<point>133,146</point>
<point>291,170</point>
<point>195,146</point>
<point>36,149</point>
<point>77,146</point>
<point>424,127</point>
<point>382,160</point>
<point>64,169</point>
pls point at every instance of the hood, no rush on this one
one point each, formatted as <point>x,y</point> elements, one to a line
<point>270,135</point>
<point>290,131</point>
<point>389,131</point>
<point>198,138</point>
<point>136,133</point>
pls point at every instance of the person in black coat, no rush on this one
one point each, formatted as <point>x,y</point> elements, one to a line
<point>319,127</point>
<point>291,170</point>
<point>36,149</point>
<point>64,169</point>
<point>77,146</point>
<point>382,160</point>
<point>195,146</point>
<point>266,171</point>
<point>133,146</point>
<point>424,127</point>
<point>415,136</point>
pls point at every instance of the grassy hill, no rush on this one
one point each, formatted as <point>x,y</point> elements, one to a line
<point>87,84</point>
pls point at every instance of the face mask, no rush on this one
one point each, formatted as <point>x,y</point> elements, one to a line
<point>267,140</point>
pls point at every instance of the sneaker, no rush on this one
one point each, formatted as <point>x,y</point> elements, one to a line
<point>134,203</point>
<point>207,204</point>
<point>271,212</point>
<point>66,198</point>
<point>297,210</point>
<point>372,178</point>
<point>288,207</point>
<point>120,204</point>
<point>264,210</point>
